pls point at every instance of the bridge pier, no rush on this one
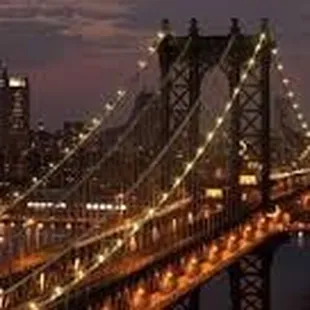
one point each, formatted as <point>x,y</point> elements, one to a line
<point>250,279</point>
<point>194,299</point>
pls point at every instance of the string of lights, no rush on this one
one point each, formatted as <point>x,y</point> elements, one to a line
<point>111,104</point>
<point>90,172</point>
<point>59,291</point>
<point>179,130</point>
<point>291,96</point>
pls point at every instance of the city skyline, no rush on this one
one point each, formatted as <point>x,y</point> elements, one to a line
<point>69,48</point>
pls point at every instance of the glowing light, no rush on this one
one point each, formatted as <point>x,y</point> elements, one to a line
<point>121,93</point>
<point>236,91</point>
<point>290,94</point>
<point>244,76</point>
<point>285,81</point>
<point>248,179</point>
<point>17,82</point>
<point>220,120</point>
<point>119,242</point>
<point>210,136</point>
<point>280,67</point>
<point>58,290</point>
<point>151,49</point>
<point>151,212</point>
<point>160,35</point>
<point>142,64</point>
<point>95,121</point>
<point>214,193</point>
<point>16,194</point>
<point>300,116</point>
<point>33,306</point>
<point>109,107</point>
<point>165,196</point>
<point>251,62</point>
<point>200,151</point>
<point>100,258</point>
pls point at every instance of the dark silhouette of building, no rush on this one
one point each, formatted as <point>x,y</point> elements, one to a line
<point>14,126</point>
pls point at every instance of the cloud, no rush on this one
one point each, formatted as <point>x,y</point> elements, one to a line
<point>44,35</point>
<point>91,20</point>
<point>43,31</point>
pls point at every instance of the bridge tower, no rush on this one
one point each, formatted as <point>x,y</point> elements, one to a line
<point>249,122</point>
<point>179,92</point>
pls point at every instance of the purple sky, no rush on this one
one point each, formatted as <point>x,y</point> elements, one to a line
<point>74,50</point>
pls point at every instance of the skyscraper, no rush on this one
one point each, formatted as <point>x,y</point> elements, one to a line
<point>14,125</point>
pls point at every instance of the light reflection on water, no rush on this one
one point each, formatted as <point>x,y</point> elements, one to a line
<point>290,280</point>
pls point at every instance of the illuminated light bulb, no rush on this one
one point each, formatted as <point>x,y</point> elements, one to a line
<point>29,222</point>
<point>308,134</point>
<point>285,81</point>
<point>258,47</point>
<point>189,166</point>
<point>95,121</point>
<point>136,226</point>
<point>100,258</point>
<point>121,93</point>
<point>80,274</point>
<point>142,64</point>
<point>151,212</point>
<point>251,62</point>
<point>33,306</point>
<point>220,121</point>
<point>58,290</point>
<point>290,94</point>
<point>119,242</point>
<point>295,106</point>
<point>151,49</point>
<point>263,36</point>
<point>16,194</point>
<point>200,151</point>
<point>210,136</point>
<point>280,67</point>
<point>77,262</point>
<point>228,106</point>
<point>304,125</point>
<point>160,35</point>
<point>34,179</point>
<point>51,165</point>
<point>68,226</point>
<point>300,116</point>
<point>66,150</point>
<point>109,107</point>
<point>244,77</point>
<point>165,196</point>
<point>40,225</point>
<point>82,136</point>
<point>177,182</point>
<point>274,51</point>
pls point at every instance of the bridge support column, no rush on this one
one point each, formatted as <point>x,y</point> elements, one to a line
<point>250,278</point>
<point>194,299</point>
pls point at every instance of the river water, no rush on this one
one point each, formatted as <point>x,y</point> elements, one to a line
<point>290,280</point>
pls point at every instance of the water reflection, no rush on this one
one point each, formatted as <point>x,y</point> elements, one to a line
<point>290,279</point>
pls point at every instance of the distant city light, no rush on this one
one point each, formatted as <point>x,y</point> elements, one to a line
<point>15,81</point>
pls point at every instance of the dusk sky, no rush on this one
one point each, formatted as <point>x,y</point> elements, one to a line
<point>73,50</point>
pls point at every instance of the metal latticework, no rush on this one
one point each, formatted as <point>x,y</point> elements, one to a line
<point>250,277</point>
<point>250,282</point>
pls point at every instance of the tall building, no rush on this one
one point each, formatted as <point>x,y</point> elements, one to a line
<point>14,125</point>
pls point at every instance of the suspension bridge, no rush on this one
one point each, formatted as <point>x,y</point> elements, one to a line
<point>209,173</point>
